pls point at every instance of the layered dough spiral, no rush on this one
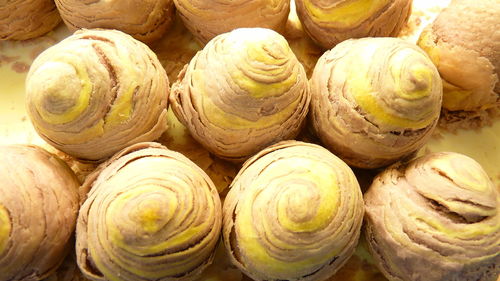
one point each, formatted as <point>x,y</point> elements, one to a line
<point>464,43</point>
<point>26,19</point>
<point>97,92</point>
<point>375,100</point>
<point>436,218</point>
<point>331,22</point>
<point>38,210</point>
<point>151,214</point>
<point>244,91</point>
<point>209,18</point>
<point>145,20</point>
<point>294,212</point>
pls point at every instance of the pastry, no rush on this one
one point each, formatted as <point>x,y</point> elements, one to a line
<point>464,43</point>
<point>436,219</point>
<point>146,21</point>
<point>38,210</point>
<point>26,19</point>
<point>244,91</point>
<point>375,100</point>
<point>293,212</point>
<point>329,22</point>
<point>150,214</point>
<point>97,92</point>
<point>209,18</point>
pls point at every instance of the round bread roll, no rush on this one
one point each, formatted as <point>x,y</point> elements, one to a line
<point>146,20</point>
<point>97,92</point>
<point>464,43</point>
<point>331,22</point>
<point>209,18</point>
<point>435,218</point>
<point>375,100</point>
<point>294,212</point>
<point>38,210</point>
<point>26,19</point>
<point>244,91</point>
<point>151,214</point>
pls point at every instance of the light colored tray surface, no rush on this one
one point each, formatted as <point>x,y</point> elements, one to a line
<point>175,50</point>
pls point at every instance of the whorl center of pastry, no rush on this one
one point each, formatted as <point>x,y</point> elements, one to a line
<point>60,98</point>
<point>146,210</point>
<point>308,206</point>
<point>408,84</point>
<point>5,228</point>
<point>344,13</point>
<point>412,76</point>
<point>266,69</point>
<point>295,201</point>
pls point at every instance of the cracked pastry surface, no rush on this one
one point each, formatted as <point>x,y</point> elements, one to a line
<point>244,91</point>
<point>330,22</point>
<point>151,214</point>
<point>434,218</point>
<point>209,18</point>
<point>145,20</point>
<point>293,212</point>
<point>464,43</point>
<point>38,210</point>
<point>97,92</point>
<point>375,100</point>
<point>26,19</point>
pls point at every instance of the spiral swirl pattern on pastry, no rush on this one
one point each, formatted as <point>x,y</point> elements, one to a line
<point>97,92</point>
<point>244,91</point>
<point>293,212</point>
<point>38,210</point>
<point>438,212</point>
<point>209,18</point>
<point>151,214</point>
<point>331,22</point>
<point>375,100</point>
<point>26,19</point>
<point>145,20</point>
